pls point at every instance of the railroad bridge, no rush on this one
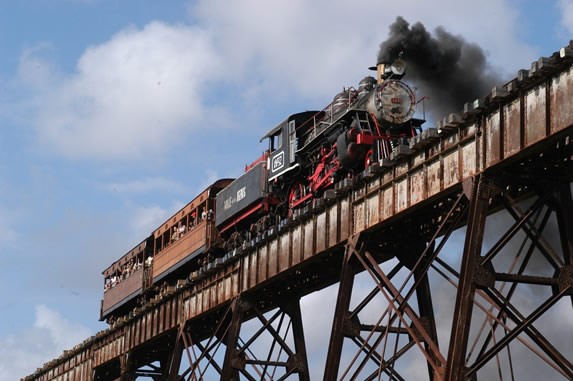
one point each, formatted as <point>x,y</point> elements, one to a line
<point>409,229</point>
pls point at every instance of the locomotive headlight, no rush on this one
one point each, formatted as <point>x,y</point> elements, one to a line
<point>398,67</point>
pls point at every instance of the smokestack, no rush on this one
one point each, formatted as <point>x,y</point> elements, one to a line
<point>444,67</point>
<point>380,72</point>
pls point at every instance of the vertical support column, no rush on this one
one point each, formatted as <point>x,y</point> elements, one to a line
<point>563,210</point>
<point>300,358</point>
<point>426,308</point>
<point>126,367</point>
<point>174,358</point>
<point>479,202</point>
<point>229,369</point>
<point>340,312</point>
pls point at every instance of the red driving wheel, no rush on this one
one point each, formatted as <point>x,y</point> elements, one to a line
<point>369,158</point>
<point>296,193</point>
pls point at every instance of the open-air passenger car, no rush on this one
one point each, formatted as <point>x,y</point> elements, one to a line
<point>169,254</point>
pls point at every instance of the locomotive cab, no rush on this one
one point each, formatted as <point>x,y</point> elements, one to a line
<point>283,143</point>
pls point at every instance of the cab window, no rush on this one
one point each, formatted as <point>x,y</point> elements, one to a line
<point>276,142</point>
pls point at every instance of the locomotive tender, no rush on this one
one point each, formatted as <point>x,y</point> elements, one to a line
<point>310,155</point>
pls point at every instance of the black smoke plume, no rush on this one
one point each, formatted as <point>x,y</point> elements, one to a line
<point>445,68</point>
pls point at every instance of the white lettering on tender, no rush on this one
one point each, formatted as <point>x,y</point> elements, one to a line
<point>241,193</point>
<point>229,201</point>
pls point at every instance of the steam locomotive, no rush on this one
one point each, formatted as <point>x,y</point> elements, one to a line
<point>311,155</point>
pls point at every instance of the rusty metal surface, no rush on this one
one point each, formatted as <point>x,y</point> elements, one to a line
<point>321,233</point>
<point>469,160</point>
<point>402,195</point>
<point>308,248</point>
<point>344,219</point>
<point>434,177</point>
<point>525,122</point>
<point>284,257</point>
<point>561,105</point>
<point>492,147</point>
<point>512,131</point>
<point>418,186</point>
<point>297,244</point>
<point>272,258</point>
<point>372,210</point>
<point>451,164</point>
<point>359,213</point>
<point>387,202</point>
<point>479,202</point>
<point>333,225</point>
<point>535,115</point>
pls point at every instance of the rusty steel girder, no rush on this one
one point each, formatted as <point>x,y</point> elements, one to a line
<point>226,353</point>
<point>479,288</point>
<point>452,298</point>
<point>401,319</point>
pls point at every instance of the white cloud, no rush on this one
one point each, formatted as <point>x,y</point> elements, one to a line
<point>22,353</point>
<point>209,177</point>
<point>130,96</point>
<point>317,313</point>
<point>315,48</point>
<point>145,219</point>
<point>145,89</point>
<point>37,69</point>
<point>300,46</point>
<point>63,333</point>
<point>566,8</point>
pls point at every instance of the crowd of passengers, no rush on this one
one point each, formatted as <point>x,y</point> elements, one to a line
<point>134,265</point>
<point>126,270</point>
<point>181,229</point>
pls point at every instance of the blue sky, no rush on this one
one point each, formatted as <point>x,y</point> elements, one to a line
<point>115,114</point>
